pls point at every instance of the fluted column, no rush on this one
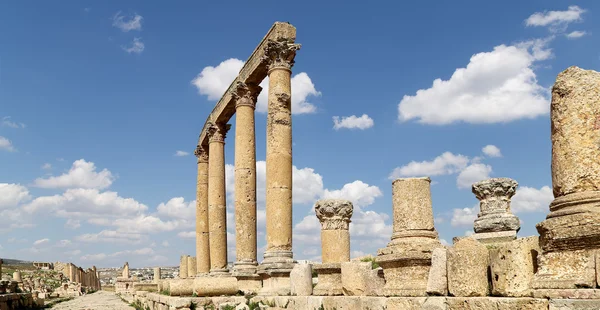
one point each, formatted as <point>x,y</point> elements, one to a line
<point>245,178</point>
<point>217,213</point>
<point>202,231</point>
<point>279,56</point>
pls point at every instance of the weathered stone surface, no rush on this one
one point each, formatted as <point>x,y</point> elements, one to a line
<point>574,304</point>
<point>334,215</point>
<point>495,237</point>
<point>566,269</point>
<point>191,264</point>
<point>181,287</point>
<point>183,268</point>
<point>512,266</point>
<point>214,286</point>
<point>468,262</point>
<point>330,279</point>
<point>157,275</point>
<point>586,293</point>
<point>412,209</point>
<point>437,281</point>
<point>301,280</point>
<point>494,203</point>
<point>499,303</point>
<point>359,279</point>
<point>202,229</point>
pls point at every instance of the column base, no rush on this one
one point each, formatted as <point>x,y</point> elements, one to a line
<point>495,237</point>
<point>219,273</point>
<point>244,267</point>
<point>566,270</point>
<point>275,273</point>
<point>330,279</point>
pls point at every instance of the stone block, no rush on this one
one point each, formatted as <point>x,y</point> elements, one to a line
<point>359,279</point>
<point>405,303</point>
<point>330,279</point>
<point>512,267</point>
<point>566,304</point>
<point>405,272</point>
<point>437,281</point>
<point>567,293</point>
<point>495,237</point>
<point>566,270</point>
<point>181,287</point>
<point>214,286</point>
<point>496,303</point>
<point>249,284</point>
<point>468,263</point>
<point>301,280</point>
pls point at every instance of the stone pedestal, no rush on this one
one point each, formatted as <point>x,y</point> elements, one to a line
<point>183,267</point>
<point>407,258</point>
<point>278,259</point>
<point>468,262</point>
<point>334,215</point>
<point>191,264</point>
<point>571,231</point>
<point>495,222</point>
<point>202,230</point>
<point>217,211</point>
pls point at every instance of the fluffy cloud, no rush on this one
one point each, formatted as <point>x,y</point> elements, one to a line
<point>73,224</point>
<point>464,217</point>
<point>556,20</point>
<point>491,151</point>
<point>41,241</point>
<point>495,87</point>
<point>576,34</point>
<point>150,224</point>
<point>187,234</point>
<point>47,166</point>
<point>7,122</point>
<point>6,145</point>
<point>121,22</point>
<point>177,208</point>
<point>447,163</point>
<point>353,122</point>
<point>361,194</point>
<point>81,175</point>
<point>12,194</point>
<point>181,153</point>
<point>529,199</point>
<point>111,236</point>
<point>136,47</point>
<point>214,81</point>
<point>473,173</point>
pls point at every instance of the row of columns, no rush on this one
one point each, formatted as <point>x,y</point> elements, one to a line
<point>211,215</point>
<point>88,278</point>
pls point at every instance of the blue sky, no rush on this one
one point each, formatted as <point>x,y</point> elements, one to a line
<point>101,104</point>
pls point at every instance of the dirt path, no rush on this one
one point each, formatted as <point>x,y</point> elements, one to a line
<point>97,301</point>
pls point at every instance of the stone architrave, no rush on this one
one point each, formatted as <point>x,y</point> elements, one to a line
<point>217,213</point>
<point>157,275</point>
<point>202,229</point>
<point>407,258</point>
<point>278,258</point>
<point>570,234</point>
<point>244,268</point>
<point>334,215</point>
<point>183,268</point>
<point>468,262</point>
<point>191,266</point>
<point>495,222</point>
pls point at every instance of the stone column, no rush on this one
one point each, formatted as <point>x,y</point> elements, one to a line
<point>407,258</point>
<point>156,274</point>
<point>571,231</point>
<point>202,231</point>
<point>217,211</point>
<point>126,270</point>
<point>17,276</point>
<point>191,266</point>
<point>183,268</point>
<point>334,215</point>
<point>495,223</point>
<point>278,259</point>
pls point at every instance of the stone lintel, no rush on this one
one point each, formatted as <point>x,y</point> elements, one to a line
<point>253,72</point>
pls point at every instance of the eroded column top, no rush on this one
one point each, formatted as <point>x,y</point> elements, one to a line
<point>334,213</point>
<point>495,193</point>
<point>217,132</point>
<point>279,54</point>
<point>245,94</point>
<point>201,153</point>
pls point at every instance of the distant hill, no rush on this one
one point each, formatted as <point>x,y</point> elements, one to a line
<point>8,261</point>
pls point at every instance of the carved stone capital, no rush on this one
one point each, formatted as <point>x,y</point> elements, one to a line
<point>245,94</point>
<point>334,214</point>
<point>201,153</point>
<point>217,132</point>
<point>495,194</point>
<point>280,54</point>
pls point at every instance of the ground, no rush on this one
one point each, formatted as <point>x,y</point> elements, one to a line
<point>97,301</point>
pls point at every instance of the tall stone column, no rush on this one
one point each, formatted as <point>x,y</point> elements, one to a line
<point>278,259</point>
<point>407,258</point>
<point>495,222</point>
<point>571,232</point>
<point>202,231</point>
<point>334,215</point>
<point>217,212</point>
<point>183,267</point>
<point>156,274</point>
<point>191,266</point>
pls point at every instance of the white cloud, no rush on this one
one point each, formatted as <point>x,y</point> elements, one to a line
<point>178,208</point>
<point>6,121</point>
<point>110,236</point>
<point>447,163</point>
<point>73,224</point>
<point>47,166</point>
<point>576,34</point>
<point>63,243</point>
<point>12,194</point>
<point>181,153</point>
<point>464,217</point>
<point>93,257</point>
<point>361,194</point>
<point>529,199</point>
<point>5,144</point>
<point>81,175</point>
<point>41,241</point>
<point>165,243</point>
<point>187,234</point>
<point>495,87</point>
<point>134,23</point>
<point>214,81</point>
<point>137,46</point>
<point>307,185</point>
<point>73,253</point>
<point>473,173</point>
<point>491,151</point>
<point>353,122</point>
<point>556,20</point>
<point>150,224</point>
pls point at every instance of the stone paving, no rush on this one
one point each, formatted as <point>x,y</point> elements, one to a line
<point>97,301</point>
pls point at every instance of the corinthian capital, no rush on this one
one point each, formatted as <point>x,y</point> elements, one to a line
<point>495,194</point>
<point>246,94</point>
<point>280,54</point>
<point>334,213</point>
<point>201,154</point>
<point>217,132</point>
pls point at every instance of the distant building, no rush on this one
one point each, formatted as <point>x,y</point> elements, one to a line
<point>43,265</point>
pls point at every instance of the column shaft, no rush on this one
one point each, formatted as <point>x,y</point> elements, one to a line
<point>202,229</point>
<point>217,211</point>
